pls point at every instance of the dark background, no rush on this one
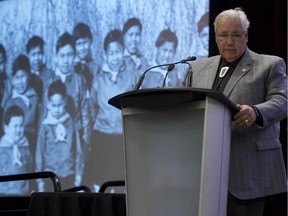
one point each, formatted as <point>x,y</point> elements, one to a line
<point>267,35</point>
<point>268,24</point>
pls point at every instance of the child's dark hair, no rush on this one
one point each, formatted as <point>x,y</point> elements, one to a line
<point>203,22</point>
<point>12,111</point>
<point>57,87</point>
<point>33,42</point>
<point>167,36</point>
<point>113,36</point>
<point>130,23</point>
<point>65,39</point>
<point>21,63</point>
<point>82,30</point>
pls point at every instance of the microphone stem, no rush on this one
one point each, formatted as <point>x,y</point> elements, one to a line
<point>189,77</point>
<point>170,68</point>
<point>139,83</point>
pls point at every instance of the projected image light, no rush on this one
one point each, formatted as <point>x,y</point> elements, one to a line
<point>98,49</point>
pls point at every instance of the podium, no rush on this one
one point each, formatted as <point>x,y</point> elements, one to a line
<point>176,143</point>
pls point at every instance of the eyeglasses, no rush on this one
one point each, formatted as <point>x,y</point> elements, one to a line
<point>234,36</point>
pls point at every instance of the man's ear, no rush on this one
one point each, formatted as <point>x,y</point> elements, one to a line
<point>246,36</point>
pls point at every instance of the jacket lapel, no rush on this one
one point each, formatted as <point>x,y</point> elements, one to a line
<point>242,68</point>
<point>209,72</point>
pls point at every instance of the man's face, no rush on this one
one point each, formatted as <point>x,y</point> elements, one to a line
<point>2,63</point>
<point>114,56</point>
<point>231,39</point>
<point>165,53</point>
<point>56,105</point>
<point>36,58</point>
<point>65,58</point>
<point>132,39</point>
<point>15,128</point>
<point>20,81</point>
<point>82,46</point>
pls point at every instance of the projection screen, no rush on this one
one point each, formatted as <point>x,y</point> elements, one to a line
<point>94,50</point>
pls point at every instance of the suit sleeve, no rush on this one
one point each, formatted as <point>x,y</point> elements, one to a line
<point>274,108</point>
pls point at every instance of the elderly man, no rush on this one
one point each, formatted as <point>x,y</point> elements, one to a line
<point>258,85</point>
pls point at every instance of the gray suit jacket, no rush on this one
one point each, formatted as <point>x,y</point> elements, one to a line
<point>256,162</point>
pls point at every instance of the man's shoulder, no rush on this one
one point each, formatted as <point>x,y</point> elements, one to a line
<point>207,60</point>
<point>271,58</point>
<point>264,57</point>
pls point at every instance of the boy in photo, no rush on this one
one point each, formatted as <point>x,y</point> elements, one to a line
<point>77,102</point>
<point>40,74</point>
<point>115,77</point>
<point>166,45</point>
<point>15,153</point>
<point>84,63</point>
<point>58,148</point>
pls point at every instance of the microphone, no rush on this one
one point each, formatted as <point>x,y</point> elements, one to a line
<point>189,77</point>
<point>170,68</point>
<point>142,77</point>
<point>183,61</point>
<point>189,58</point>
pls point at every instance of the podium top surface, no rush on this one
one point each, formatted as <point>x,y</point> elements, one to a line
<point>156,97</point>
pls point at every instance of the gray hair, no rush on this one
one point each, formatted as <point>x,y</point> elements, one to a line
<point>236,13</point>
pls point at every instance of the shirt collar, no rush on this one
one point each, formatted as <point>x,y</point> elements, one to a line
<point>83,61</point>
<point>62,76</point>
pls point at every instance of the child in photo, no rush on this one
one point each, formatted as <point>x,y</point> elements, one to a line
<point>166,45</point>
<point>40,73</point>
<point>14,152</point>
<point>85,65</point>
<point>58,148</point>
<point>23,95</point>
<point>203,33</point>
<point>77,102</point>
<point>132,30</point>
<point>115,77</point>
<point>3,79</point>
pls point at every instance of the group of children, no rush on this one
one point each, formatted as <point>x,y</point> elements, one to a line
<point>59,120</point>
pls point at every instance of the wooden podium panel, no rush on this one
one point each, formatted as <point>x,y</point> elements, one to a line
<point>176,155</point>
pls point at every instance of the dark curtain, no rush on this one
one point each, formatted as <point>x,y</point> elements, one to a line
<point>268,24</point>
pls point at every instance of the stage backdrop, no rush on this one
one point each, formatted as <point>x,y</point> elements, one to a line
<point>127,36</point>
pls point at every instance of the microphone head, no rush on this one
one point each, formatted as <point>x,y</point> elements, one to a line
<point>191,58</point>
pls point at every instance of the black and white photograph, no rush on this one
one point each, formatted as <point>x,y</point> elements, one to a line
<point>98,49</point>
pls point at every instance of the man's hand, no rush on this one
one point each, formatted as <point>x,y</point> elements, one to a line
<point>245,117</point>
